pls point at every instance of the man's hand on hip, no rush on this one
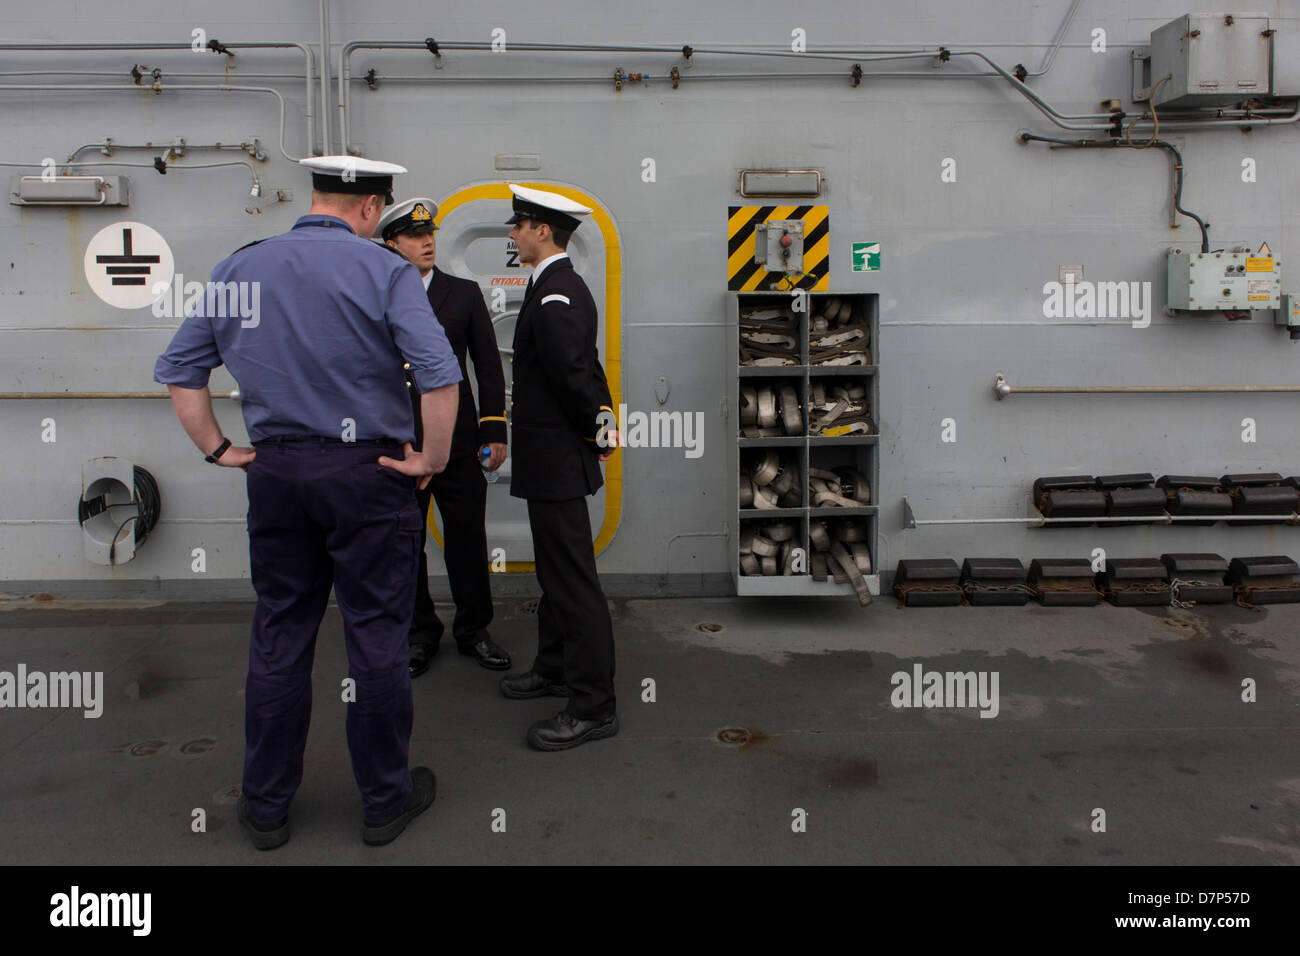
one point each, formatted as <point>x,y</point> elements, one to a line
<point>415,464</point>
<point>237,457</point>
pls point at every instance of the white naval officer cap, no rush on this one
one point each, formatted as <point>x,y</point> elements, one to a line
<point>355,175</point>
<point>551,208</point>
<point>409,216</point>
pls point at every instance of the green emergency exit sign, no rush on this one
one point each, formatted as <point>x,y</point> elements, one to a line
<point>866,256</point>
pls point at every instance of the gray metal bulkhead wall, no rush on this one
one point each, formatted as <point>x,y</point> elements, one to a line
<point>961,283</point>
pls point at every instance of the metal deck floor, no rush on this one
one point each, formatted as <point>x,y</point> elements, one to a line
<point>1137,712</point>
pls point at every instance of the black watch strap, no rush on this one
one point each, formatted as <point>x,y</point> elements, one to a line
<point>220,450</point>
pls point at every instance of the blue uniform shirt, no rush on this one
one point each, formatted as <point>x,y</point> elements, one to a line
<point>314,325</point>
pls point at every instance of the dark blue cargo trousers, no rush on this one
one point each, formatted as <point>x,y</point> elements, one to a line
<point>324,514</point>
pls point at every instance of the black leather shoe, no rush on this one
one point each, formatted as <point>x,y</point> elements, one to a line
<point>265,836</point>
<point>489,655</point>
<point>423,789</point>
<point>528,684</point>
<point>564,731</point>
<point>420,656</point>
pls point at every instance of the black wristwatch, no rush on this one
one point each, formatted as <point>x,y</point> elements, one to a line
<point>221,450</point>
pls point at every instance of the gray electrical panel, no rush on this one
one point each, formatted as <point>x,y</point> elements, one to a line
<point>778,245</point>
<point>1286,64</point>
<point>1223,281</point>
<point>1212,59</point>
<point>1288,316</point>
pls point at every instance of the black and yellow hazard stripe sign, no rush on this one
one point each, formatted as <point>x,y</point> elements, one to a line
<point>746,275</point>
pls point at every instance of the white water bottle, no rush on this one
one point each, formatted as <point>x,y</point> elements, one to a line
<point>485,454</point>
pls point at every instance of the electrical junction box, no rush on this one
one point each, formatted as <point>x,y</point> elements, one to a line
<point>1288,315</point>
<point>1223,281</point>
<point>1212,58</point>
<point>1286,64</point>
<point>778,245</point>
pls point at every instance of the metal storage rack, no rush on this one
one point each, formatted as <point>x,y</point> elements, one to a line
<point>859,451</point>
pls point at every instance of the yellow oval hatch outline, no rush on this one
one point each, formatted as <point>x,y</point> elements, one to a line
<point>613,360</point>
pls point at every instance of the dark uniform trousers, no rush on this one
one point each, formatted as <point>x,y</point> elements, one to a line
<point>322,514</point>
<point>460,489</point>
<point>559,389</point>
<point>461,493</point>
<point>575,639</point>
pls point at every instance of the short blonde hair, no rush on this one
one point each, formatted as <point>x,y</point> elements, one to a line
<point>345,201</point>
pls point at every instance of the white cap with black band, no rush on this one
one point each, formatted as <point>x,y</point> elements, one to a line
<point>559,212</point>
<point>354,175</point>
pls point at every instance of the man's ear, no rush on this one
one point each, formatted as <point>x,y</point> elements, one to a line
<point>544,231</point>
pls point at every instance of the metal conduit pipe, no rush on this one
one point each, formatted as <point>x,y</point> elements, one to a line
<point>170,73</point>
<point>1002,389</point>
<point>1048,58</point>
<point>1061,119</point>
<point>819,75</point>
<point>108,146</point>
<point>1100,121</point>
<point>41,46</point>
<point>1064,120</point>
<point>1283,120</point>
<point>355,79</point>
<point>604,80</point>
<point>1179,121</point>
<point>484,46</point>
<point>326,140</point>
<point>1060,35</point>
<point>108,162</point>
<point>181,87</point>
<point>1146,519</point>
<point>308,58</point>
<point>911,521</point>
<point>345,61</point>
<point>821,53</point>
<point>345,77</point>
<point>345,57</point>
<point>1051,112</point>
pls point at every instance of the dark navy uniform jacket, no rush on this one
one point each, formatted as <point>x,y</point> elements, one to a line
<point>559,390</point>
<point>336,315</point>
<point>458,304</point>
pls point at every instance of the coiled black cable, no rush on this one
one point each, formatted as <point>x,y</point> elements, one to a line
<point>147,501</point>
